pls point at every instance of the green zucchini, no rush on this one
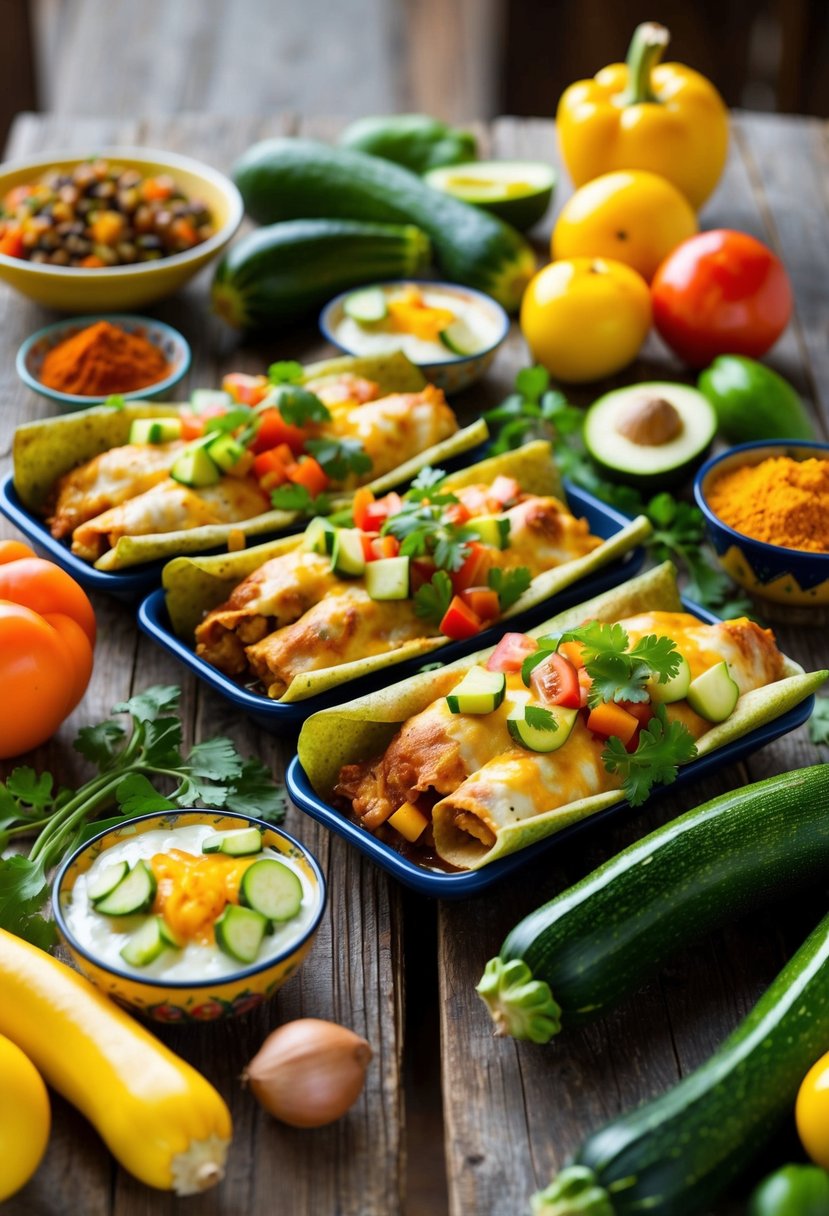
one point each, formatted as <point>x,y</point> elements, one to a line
<point>285,272</point>
<point>675,1155</point>
<point>416,141</point>
<point>285,179</point>
<point>581,953</point>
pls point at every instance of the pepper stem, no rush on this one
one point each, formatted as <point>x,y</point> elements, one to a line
<point>573,1192</point>
<point>647,47</point>
<point>519,1005</point>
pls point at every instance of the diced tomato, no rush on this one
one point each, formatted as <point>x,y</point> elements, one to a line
<point>363,499</point>
<point>384,546</point>
<point>456,513</point>
<point>309,472</point>
<point>473,572</point>
<point>585,683</point>
<point>511,652</point>
<point>474,498</point>
<point>247,390</point>
<point>459,621</point>
<point>421,570</point>
<point>277,477</point>
<point>641,710</point>
<point>192,425</point>
<point>379,511</point>
<point>483,602</point>
<point>504,491</point>
<point>273,430</point>
<point>610,719</point>
<point>11,243</point>
<point>572,651</point>
<point>555,681</point>
<point>633,741</point>
<point>214,410</point>
<point>276,460</point>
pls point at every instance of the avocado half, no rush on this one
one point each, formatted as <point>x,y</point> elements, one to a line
<point>519,191</point>
<point>651,435</point>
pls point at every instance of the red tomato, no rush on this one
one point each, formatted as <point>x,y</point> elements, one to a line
<point>384,546</point>
<point>247,390</point>
<point>457,514</point>
<point>483,602</point>
<point>585,683</point>
<point>718,293</point>
<point>556,682</point>
<point>459,621</point>
<point>421,570</point>
<point>192,425</point>
<point>511,652</point>
<point>277,460</point>
<point>273,431</point>
<point>474,570</point>
<point>378,512</point>
<point>642,711</point>
<point>504,490</point>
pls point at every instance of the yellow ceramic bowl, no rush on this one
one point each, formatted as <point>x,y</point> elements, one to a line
<point>189,1001</point>
<point>123,288</point>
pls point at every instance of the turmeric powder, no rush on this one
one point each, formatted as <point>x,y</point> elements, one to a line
<point>780,501</point>
<point>103,359</point>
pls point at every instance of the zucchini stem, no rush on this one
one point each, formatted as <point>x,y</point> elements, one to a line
<point>573,1192</point>
<point>519,1005</point>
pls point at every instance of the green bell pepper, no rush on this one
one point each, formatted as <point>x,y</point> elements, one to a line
<point>416,141</point>
<point>753,402</point>
<point>794,1190</point>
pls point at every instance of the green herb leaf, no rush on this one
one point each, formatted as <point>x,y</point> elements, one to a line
<point>286,371</point>
<point>26,786</point>
<point>340,457</point>
<point>298,498</point>
<point>240,415</point>
<point>427,480</point>
<point>115,401</point>
<point>619,673</point>
<point>297,406</point>
<point>531,382</point>
<point>819,721</point>
<point>23,892</point>
<point>158,701</point>
<point>255,793</point>
<point>662,747</point>
<point>432,599</point>
<point>540,718</point>
<point>136,795</point>
<point>660,654</point>
<point>509,584</point>
<point>101,743</point>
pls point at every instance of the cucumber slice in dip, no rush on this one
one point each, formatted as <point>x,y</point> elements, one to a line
<point>145,945</point>
<point>460,339</point>
<point>155,430</point>
<point>534,738</point>
<point>270,888</point>
<point>239,843</point>
<point>479,692</point>
<point>134,893</point>
<point>713,695</point>
<point>650,435</point>
<point>107,880</point>
<point>519,191</point>
<point>239,932</point>
<point>366,307</point>
<point>674,689</point>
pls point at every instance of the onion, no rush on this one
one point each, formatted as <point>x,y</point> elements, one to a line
<point>309,1072</point>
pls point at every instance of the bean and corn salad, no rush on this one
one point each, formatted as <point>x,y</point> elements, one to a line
<point>100,214</point>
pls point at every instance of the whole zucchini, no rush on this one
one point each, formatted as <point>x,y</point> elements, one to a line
<point>286,179</point>
<point>673,1156</point>
<point>578,955</point>
<point>416,141</point>
<point>285,272</point>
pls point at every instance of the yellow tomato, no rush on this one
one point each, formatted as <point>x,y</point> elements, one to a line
<point>812,1112</point>
<point>24,1118</point>
<point>585,318</point>
<point>632,216</point>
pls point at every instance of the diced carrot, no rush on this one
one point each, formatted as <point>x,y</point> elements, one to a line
<point>274,430</point>
<point>309,473</point>
<point>473,572</point>
<point>384,546</point>
<point>92,261</point>
<point>273,461</point>
<point>156,189</point>
<point>483,602</point>
<point>183,231</point>
<point>11,243</point>
<point>192,426</point>
<point>610,719</point>
<point>362,500</point>
<point>572,651</point>
<point>585,684</point>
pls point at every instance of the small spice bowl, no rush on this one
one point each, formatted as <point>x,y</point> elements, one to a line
<point>771,572</point>
<point>189,1000</point>
<point>174,347</point>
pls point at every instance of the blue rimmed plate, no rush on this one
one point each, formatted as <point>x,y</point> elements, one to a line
<point>603,520</point>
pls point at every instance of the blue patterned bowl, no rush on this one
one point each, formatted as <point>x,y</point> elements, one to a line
<point>173,346</point>
<point>771,572</point>
<point>455,372</point>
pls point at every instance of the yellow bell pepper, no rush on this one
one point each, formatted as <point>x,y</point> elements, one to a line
<point>641,114</point>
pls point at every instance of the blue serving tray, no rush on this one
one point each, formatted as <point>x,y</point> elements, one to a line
<point>472,882</point>
<point>604,521</point>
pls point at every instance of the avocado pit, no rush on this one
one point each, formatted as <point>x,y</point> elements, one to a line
<point>649,420</point>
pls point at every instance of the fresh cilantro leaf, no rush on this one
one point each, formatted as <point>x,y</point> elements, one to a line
<point>101,743</point>
<point>115,401</point>
<point>432,599</point>
<point>23,891</point>
<point>422,529</point>
<point>254,792</point>
<point>136,795</point>
<point>297,406</point>
<point>451,548</point>
<point>26,786</point>
<point>819,721</point>
<point>340,457</point>
<point>662,747</point>
<point>616,677</point>
<point>618,672</point>
<point>286,371</point>
<point>162,740</point>
<point>598,638</point>
<point>660,654</point>
<point>509,584</point>
<point>298,498</point>
<point>157,701</point>
<point>240,415</point>
<point>428,479</point>
<point>531,382</point>
<point>216,758</point>
<point>546,646</point>
<point>540,718</point>
<point>428,667</point>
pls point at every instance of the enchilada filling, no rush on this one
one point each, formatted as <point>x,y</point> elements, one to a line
<point>431,565</point>
<point>545,725</point>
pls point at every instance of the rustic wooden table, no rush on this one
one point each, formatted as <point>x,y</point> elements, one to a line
<point>399,969</point>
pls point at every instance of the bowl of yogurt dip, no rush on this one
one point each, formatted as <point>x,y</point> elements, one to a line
<point>451,332</point>
<point>189,916</point>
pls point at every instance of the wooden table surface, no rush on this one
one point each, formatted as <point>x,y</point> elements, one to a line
<point>397,968</point>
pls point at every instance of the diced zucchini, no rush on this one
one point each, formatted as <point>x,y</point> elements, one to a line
<point>319,536</point>
<point>239,932</point>
<point>195,468</point>
<point>534,738</point>
<point>367,307</point>
<point>347,556</point>
<point>145,945</point>
<point>479,692</point>
<point>409,821</point>
<point>239,843</point>
<point>226,452</point>
<point>107,880</point>
<point>210,398</point>
<point>713,695</point>
<point>674,689</point>
<point>492,529</point>
<point>270,888</point>
<point>134,893</point>
<point>388,578</point>
<point>460,339</point>
<point>155,430</point>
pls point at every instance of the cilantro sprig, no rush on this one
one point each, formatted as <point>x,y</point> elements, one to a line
<point>129,763</point>
<point>540,718</point>
<point>433,598</point>
<point>663,745</point>
<point>424,528</point>
<point>510,585</point>
<point>299,498</point>
<point>339,457</point>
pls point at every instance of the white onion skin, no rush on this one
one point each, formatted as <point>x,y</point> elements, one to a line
<point>309,1072</point>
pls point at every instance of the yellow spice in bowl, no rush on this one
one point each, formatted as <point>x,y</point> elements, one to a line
<point>780,501</point>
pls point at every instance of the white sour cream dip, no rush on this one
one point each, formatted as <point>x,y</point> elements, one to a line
<point>381,337</point>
